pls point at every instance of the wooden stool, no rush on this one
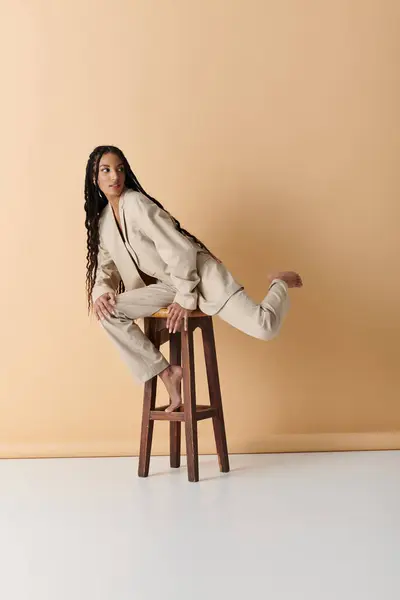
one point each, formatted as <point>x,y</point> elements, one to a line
<point>182,353</point>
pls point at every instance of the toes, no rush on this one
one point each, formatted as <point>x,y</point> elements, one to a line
<point>172,407</point>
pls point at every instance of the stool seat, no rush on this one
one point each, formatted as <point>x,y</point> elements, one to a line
<point>163,314</point>
<point>189,414</point>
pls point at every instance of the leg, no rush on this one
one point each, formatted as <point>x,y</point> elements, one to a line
<point>175,426</point>
<point>214,388</point>
<point>172,378</point>
<point>142,357</point>
<point>262,321</point>
<point>189,392</point>
<point>149,402</point>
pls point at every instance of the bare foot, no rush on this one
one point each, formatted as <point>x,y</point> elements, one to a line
<point>291,278</point>
<point>171,378</point>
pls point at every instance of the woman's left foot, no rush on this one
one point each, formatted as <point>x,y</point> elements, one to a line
<point>172,377</point>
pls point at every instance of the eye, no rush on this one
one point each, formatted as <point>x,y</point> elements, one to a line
<point>105,170</point>
<point>122,169</point>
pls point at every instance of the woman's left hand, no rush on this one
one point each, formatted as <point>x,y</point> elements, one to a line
<point>175,315</point>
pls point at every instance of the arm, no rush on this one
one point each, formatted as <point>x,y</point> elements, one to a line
<point>179,254</point>
<point>107,276</point>
<point>277,301</point>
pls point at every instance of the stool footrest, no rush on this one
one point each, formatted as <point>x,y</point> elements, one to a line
<point>202,412</point>
<point>205,412</point>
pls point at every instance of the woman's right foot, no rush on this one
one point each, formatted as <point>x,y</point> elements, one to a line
<point>292,279</point>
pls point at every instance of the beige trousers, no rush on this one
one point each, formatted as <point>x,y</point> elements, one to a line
<point>262,321</point>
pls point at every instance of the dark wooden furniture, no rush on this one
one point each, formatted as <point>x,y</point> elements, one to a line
<point>182,353</point>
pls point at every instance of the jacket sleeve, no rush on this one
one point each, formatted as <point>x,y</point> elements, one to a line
<point>278,302</point>
<point>107,275</point>
<point>178,253</point>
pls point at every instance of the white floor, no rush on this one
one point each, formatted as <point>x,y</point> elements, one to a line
<point>279,527</point>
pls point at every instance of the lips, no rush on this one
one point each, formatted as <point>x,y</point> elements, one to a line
<point>115,185</point>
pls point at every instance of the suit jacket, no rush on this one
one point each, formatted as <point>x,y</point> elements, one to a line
<point>154,246</point>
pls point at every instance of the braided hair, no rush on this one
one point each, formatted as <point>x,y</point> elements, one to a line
<point>96,201</point>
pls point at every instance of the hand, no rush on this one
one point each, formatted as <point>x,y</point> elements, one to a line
<point>175,315</point>
<point>104,305</point>
<point>291,278</point>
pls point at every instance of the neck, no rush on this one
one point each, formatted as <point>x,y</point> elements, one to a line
<point>114,202</point>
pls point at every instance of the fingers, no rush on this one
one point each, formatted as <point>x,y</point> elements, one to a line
<point>175,321</point>
<point>101,312</point>
<point>111,298</point>
<point>174,318</point>
<point>178,321</point>
<point>104,306</point>
<point>171,309</point>
<point>181,315</point>
<point>177,324</point>
<point>175,315</point>
<point>173,312</point>
<point>109,302</point>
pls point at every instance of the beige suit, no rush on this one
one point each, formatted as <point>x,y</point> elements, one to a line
<point>185,274</point>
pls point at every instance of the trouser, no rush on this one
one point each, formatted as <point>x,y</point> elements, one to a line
<point>261,321</point>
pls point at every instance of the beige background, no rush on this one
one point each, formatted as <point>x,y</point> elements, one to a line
<point>271,130</point>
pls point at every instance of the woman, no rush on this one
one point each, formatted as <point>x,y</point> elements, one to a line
<point>139,259</point>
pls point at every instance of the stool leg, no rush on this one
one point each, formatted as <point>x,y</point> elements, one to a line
<point>149,403</point>
<point>189,396</point>
<point>175,426</point>
<point>214,388</point>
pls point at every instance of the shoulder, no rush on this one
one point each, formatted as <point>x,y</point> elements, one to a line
<point>139,206</point>
<point>133,199</point>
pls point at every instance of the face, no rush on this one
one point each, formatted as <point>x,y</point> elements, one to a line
<point>111,178</point>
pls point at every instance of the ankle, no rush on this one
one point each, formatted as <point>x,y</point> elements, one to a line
<point>166,373</point>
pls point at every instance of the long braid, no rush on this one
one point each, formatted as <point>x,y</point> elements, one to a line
<point>95,202</point>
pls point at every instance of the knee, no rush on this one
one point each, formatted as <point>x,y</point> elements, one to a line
<point>269,329</point>
<point>266,335</point>
<point>118,316</point>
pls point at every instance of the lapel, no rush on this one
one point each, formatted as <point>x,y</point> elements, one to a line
<point>122,216</point>
<point>121,252</point>
<point>112,238</point>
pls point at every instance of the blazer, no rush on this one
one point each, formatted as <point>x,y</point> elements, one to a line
<point>154,246</point>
